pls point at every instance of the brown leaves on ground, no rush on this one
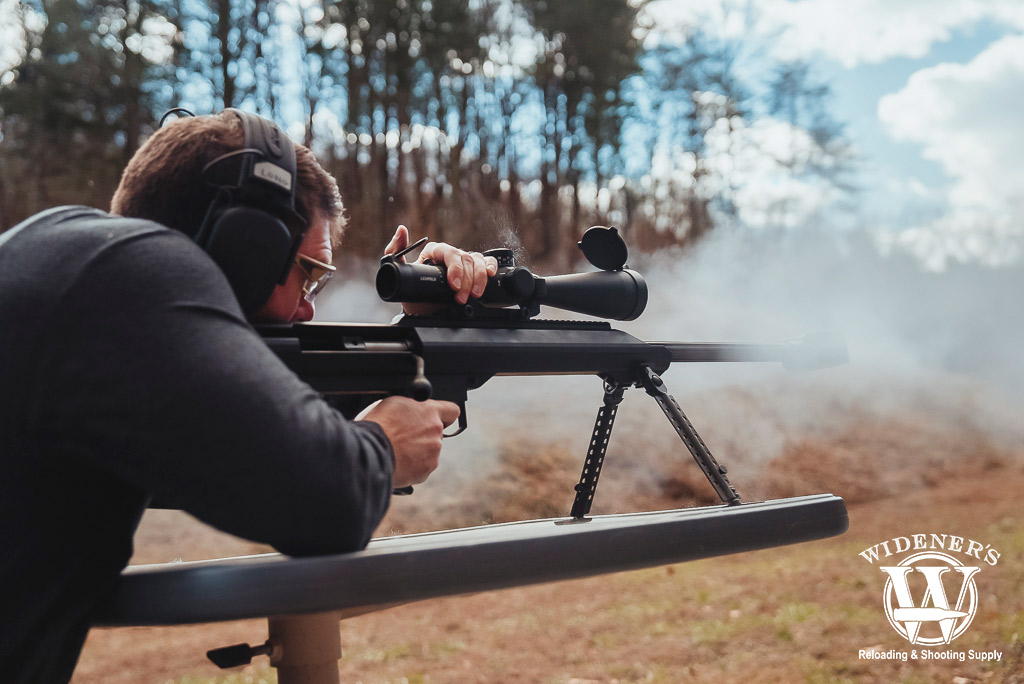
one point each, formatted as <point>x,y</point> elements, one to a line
<point>925,460</point>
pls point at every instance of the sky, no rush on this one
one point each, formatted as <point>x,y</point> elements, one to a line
<point>932,95</point>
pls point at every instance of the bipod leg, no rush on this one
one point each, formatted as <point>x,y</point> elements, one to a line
<point>598,447</point>
<point>715,473</point>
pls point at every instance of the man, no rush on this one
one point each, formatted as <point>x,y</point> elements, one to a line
<point>128,371</point>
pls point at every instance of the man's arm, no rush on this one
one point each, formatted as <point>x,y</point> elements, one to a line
<point>154,375</point>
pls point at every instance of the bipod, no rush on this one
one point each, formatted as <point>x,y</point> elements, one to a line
<point>587,485</point>
<point>654,386</point>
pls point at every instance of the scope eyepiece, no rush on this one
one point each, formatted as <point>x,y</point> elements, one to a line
<point>398,282</point>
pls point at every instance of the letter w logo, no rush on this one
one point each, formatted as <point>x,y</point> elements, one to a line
<point>907,615</point>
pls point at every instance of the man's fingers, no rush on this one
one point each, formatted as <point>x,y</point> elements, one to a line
<point>456,269</point>
<point>460,272</point>
<point>467,271</point>
<point>479,274</point>
<point>448,411</point>
<point>436,252</point>
<point>468,285</point>
<point>492,265</point>
<point>399,242</point>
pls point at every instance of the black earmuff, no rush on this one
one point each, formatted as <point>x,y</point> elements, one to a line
<point>252,229</point>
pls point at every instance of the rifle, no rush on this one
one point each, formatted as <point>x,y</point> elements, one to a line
<point>457,349</point>
<point>445,355</point>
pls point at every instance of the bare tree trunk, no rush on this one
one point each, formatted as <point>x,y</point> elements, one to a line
<point>223,28</point>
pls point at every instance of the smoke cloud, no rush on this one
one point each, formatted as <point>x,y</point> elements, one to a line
<point>935,379</point>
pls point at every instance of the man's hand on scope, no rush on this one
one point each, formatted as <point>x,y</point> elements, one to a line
<point>414,429</point>
<point>467,271</point>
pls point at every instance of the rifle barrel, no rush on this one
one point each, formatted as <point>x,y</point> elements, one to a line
<point>810,352</point>
<point>711,352</point>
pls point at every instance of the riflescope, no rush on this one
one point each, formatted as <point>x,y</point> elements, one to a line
<point>614,292</point>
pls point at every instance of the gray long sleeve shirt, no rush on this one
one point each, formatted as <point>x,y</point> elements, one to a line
<point>127,372</point>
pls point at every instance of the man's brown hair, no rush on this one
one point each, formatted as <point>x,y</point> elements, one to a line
<point>163,180</point>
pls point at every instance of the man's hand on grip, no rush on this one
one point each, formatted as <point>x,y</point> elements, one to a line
<point>414,429</point>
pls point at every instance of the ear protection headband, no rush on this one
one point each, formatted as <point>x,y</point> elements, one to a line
<point>252,229</point>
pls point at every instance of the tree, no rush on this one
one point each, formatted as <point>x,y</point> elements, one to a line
<point>590,52</point>
<point>80,87</point>
<point>690,88</point>
<point>797,98</point>
<point>461,118</point>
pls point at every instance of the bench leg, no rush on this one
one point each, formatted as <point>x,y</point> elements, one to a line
<point>306,648</point>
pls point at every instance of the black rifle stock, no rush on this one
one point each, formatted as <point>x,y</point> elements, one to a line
<point>427,357</point>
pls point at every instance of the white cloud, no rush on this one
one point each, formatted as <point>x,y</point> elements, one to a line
<point>851,32</point>
<point>967,118</point>
<point>872,31</point>
<point>719,18</point>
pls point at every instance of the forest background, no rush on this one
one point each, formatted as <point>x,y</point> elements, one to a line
<point>478,122</point>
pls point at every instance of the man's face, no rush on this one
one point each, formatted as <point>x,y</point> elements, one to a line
<point>287,303</point>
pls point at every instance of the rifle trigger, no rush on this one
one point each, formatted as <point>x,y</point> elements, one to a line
<point>463,423</point>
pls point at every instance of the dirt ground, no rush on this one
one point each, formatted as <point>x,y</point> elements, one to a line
<point>795,614</point>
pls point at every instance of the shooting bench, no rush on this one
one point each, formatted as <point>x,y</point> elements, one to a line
<point>304,598</point>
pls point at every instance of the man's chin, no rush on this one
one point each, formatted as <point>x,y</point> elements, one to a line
<point>276,312</point>
<point>269,315</point>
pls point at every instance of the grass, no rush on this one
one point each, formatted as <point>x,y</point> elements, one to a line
<point>260,674</point>
<point>796,614</point>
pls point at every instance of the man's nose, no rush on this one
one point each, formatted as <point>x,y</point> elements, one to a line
<point>304,313</point>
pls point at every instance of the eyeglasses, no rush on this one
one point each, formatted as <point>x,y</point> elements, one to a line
<point>317,274</point>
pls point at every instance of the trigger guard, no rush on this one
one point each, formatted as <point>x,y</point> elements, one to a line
<point>463,424</point>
